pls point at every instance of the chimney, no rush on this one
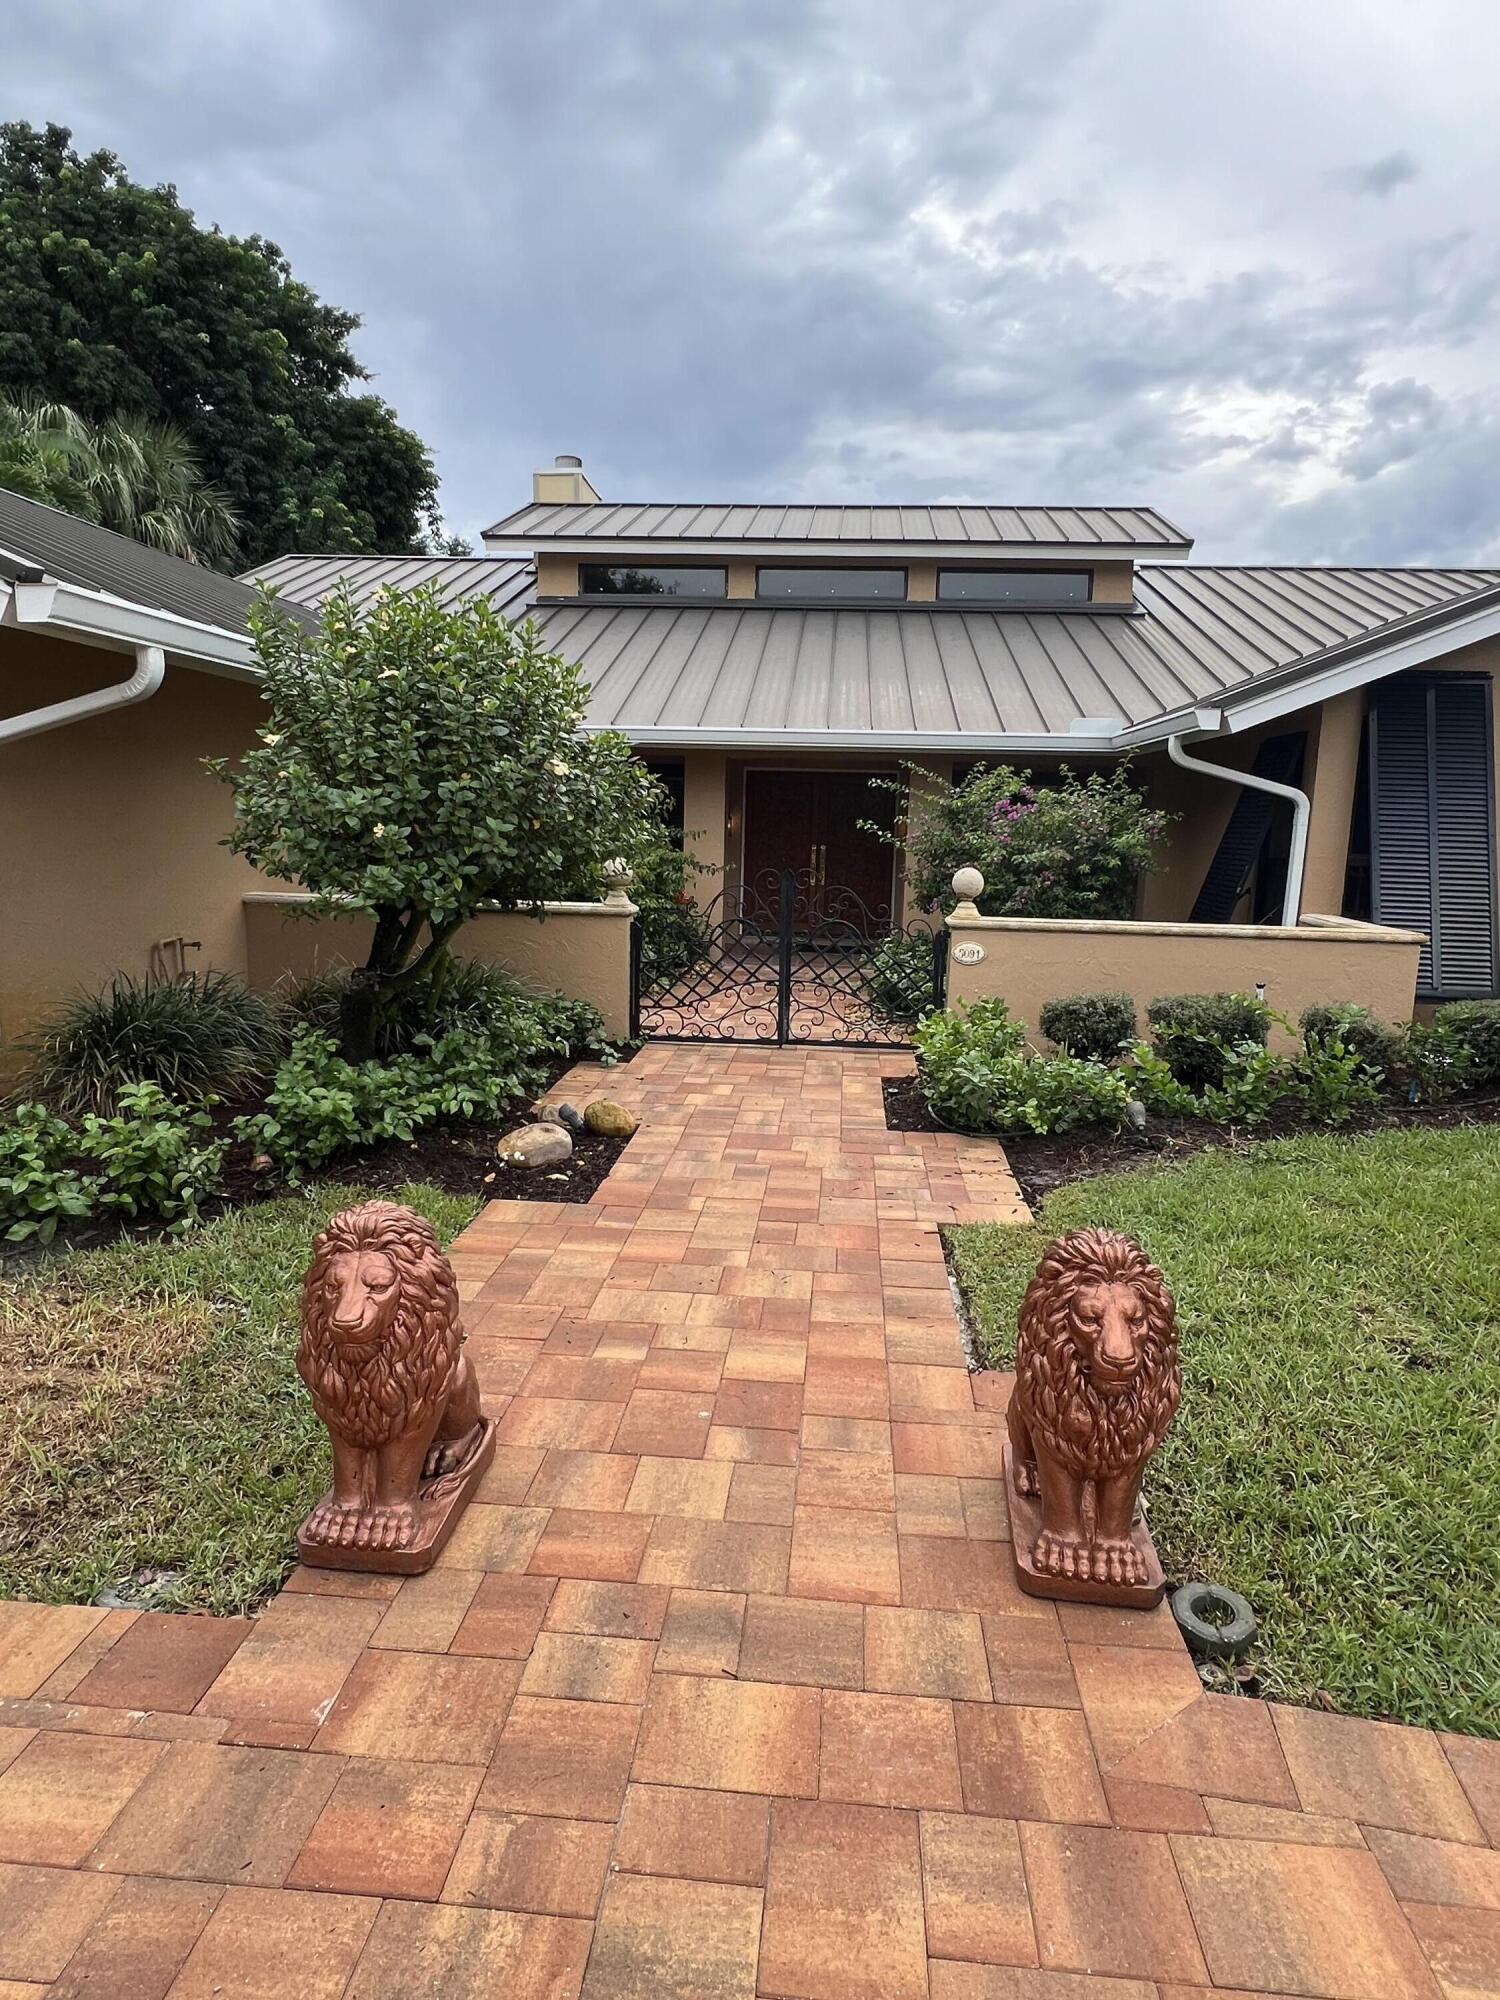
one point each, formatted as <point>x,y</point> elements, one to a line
<point>562,484</point>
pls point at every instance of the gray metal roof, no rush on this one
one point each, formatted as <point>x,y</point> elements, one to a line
<point>1202,636</point>
<point>986,528</point>
<point>78,552</point>
<point>509,583</point>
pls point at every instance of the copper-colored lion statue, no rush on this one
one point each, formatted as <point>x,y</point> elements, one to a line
<point>382,1356</point>
<point>1097,1384</point>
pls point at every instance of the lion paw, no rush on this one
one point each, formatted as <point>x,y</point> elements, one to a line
<point>1056,1553</point>
<point>331,1525</point>
<point>1118,1561</point>
<point>1028,1484</point>
<point>391,1526</point>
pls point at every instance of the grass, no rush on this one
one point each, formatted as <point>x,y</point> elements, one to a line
<point>151,1419</point>
<point>1337,1454</point>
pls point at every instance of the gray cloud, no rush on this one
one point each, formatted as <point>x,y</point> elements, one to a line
<point>1072,250</point>
<point>1379,177</point>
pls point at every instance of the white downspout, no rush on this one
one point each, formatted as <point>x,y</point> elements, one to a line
<point>150,671</point>
<point>1296,865</point>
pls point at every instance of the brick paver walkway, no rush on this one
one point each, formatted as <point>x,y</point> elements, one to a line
<point>725,1687</point>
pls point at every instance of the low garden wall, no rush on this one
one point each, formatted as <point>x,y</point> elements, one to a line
<point>581,949</point>
<point>1027,961</point>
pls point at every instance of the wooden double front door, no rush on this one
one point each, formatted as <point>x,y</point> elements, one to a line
<point>809,823</point>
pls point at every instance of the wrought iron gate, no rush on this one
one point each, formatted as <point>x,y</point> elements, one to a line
<point>788,960</point>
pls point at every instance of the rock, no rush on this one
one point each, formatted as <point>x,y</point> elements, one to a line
<point>608,1119</point>
<point>544,1145</point>
<point>571,1116</point>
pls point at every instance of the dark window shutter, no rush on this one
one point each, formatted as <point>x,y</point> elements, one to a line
<point>1239,848</point>
<point>1432,826</point>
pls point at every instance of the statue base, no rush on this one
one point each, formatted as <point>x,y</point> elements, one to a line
<point>1025,1525</point>
<point>440,1503</point>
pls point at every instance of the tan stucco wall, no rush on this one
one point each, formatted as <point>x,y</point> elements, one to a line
<point>582,949</point>
<point>1030,961</point>
<point>556,576</point>
<point>110,828</point>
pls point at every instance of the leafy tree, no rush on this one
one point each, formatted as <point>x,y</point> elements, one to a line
<point>113,300</point>
<point>418,764</point>
<point>132,474</point>
<point>1063,846</point>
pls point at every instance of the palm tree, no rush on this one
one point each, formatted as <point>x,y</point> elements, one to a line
<point>130,473</point>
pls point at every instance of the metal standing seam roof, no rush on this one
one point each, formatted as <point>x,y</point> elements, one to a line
<point>916,670</point>
<point>33,536</point>
<point>984,527</point>
<point>508,583</point>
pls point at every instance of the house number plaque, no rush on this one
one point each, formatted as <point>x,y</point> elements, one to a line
<point>968,954</point>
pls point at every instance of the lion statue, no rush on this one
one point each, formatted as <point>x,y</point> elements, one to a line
<point>381,1354</point>
<point>1097,1384</point>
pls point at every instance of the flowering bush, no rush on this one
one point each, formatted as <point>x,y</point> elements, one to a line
<point>1060,847</point>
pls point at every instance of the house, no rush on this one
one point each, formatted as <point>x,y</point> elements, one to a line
<point>121,669</point>
<point>1324,735</point>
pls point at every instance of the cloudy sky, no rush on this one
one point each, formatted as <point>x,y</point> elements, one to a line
<point>1240,262</point>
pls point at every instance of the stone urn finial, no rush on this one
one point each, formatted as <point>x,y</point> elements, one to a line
<point>968,886</point>
<point>617,873</point>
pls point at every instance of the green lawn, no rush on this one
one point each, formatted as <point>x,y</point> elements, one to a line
<point>1337,1454</point>
<point>150,1414</point>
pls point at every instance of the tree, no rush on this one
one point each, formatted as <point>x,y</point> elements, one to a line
<point>419,763</point>
<point>113,300</point>
<point>132,474</point>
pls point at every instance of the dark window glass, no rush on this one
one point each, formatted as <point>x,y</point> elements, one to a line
<point>1014,586</point>
<point>626,580</point>
<point>813,585</point>
<point>671,773</point>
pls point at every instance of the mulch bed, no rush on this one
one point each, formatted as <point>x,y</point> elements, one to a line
<point>1042,1164</point>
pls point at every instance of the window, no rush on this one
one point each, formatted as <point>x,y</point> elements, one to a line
<point>628,580</point>
<point>813,586</point>
<point>1015,586</point>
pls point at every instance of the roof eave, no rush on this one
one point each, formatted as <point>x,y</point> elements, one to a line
<point>68,611</point>
<point>1430,635</point>
<point>600,547</point>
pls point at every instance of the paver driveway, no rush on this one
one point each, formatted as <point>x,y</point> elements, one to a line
<point>724,1687</point>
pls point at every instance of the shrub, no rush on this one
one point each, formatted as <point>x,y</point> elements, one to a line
<point>1096,1025</point>
<point>418,763</point>
<point>901,975</point>
<point>199,1035</point>
<point>1150,1077</point>
<point>1433,1062</point>
<point>466,994</point>
<point>1372,1042</point>
<point>1476,1025</point>
<point>977,1073</point>
<point>152,1157</point>
<point>1332,1077</point>
<point>39,1188</point>
<point>1066,847</point>
<point>1198,1032</point>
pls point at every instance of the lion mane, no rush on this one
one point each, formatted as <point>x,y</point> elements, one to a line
<point>374,1394</point>
<point>1094,1436</point>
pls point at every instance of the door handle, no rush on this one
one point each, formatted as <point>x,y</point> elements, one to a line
<point>823,865</point>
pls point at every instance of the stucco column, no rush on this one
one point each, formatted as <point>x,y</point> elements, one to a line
<point>1334,778</point>
<point>704,808</point>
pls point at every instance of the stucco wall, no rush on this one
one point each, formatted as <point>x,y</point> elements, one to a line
<point>582,949</point>
<point>110,829</point>
<point>1028,961</point>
